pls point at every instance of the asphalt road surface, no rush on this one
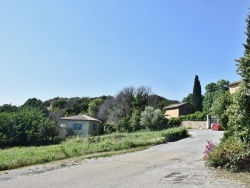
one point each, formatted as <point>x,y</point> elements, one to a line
<point>175,164</point>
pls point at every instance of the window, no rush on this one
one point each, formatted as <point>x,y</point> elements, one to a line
<point>94,127</point>
<point>77,126</point>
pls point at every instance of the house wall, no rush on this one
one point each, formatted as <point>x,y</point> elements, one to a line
<point>94,127</point>
<point>178,111</point>
<point>186,109</point>
<point>233,88</point>
<point>172,113</point>
<point>84,131</point>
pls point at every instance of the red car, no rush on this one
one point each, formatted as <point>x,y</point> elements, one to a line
<point>217,127</point>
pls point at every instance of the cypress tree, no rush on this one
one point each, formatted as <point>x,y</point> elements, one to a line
<point>197,98</point>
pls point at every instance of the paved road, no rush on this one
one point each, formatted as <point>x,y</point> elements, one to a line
<point>176,164</point>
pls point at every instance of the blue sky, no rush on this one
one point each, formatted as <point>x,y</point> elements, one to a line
<point>81,48</point>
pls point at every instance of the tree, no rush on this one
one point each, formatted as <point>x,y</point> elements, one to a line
<point>8,108</point>
<point>153,119</point>
<point>247,45</point>
<point>211,94</point>
<point>141,98</point>
<point>197,97</point>
<point>189,98</point>
<point>105,109</point>
<point>94,107</point>
<point>135,120</point>
<point>220,105</point>
<point>27,126</point>
<point>36,103</point>
<point>124,101</point>
<point>159,102</point>
<point>239,111</point>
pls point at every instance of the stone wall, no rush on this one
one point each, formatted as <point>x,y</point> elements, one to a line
<point>194,124</point>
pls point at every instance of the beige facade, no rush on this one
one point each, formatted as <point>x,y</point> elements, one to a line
<point>234,86</point>
<point>176,110</point>
<point>79,125</point>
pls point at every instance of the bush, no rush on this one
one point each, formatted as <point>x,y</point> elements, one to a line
<point>175,134</point>
<point>231,154</point>
<point>197,116</point>
<point>153,119</point>
<point>209,148</point>
<point>174,122</point>
<point>110,128</point>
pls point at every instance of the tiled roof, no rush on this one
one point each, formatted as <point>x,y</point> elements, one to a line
<point>80,118</point>
<point>234,83</point>
<point>175,105</point>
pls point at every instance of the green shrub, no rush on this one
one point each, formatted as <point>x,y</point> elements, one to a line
<point>231,154</point>
<point>110,128</point>
<point>174,122</point>
<point>175,134</point>
<point>197,116</point>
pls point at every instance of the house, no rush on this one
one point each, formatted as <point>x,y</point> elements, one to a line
<point>79,125</point>
<point>234,86</point>
<point>176,110</point>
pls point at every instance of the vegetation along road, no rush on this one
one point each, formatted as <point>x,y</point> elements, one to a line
<point>174,164</point>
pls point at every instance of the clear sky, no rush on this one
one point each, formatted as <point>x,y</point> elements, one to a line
<point>89,48</point>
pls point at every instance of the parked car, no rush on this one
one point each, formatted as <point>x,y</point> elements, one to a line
<point>217,127</point>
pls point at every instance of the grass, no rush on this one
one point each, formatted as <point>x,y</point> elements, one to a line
<point>88,147</point>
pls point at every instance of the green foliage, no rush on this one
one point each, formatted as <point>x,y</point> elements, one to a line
<point>197,116</point>
<point>141,98</point>
<point>94,107</point>
<point>159,102</point>
<point>174,122</point>
<point>234,151</point>
<point>27,126</point>
<point>110,128</point>
<point>197,97</point>
<point>135,121</point>
<point>221,86</point>
<point>247,45</point>
<point>175,134</point>
<point>208,102</point>
<point>239,116</point>
<point>189,99</point>
<point>59,103</point>
<point>84,146</point>
<point>36,103</point>
<point>124,125</point>
<point>8,108</point>
<point>153,119</point>
<point>221,103</point>
<point>239,111</point>
<point>231,154</point>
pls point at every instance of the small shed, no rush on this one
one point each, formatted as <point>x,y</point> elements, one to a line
<point>79,125</point>
<point>176,110</point>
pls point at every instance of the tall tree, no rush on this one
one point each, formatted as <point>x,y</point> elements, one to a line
<point>239,111</point>
<point>247,45</point>
<point>197,97</point>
